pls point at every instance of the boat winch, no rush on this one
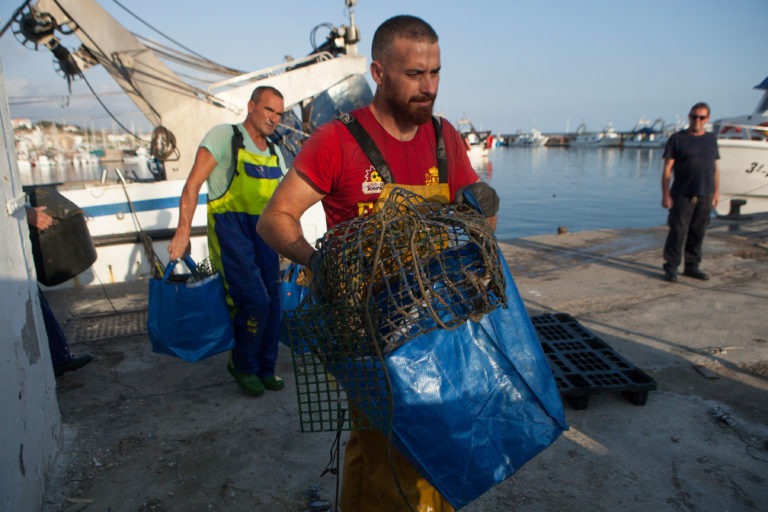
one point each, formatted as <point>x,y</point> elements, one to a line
<point>33,28</point>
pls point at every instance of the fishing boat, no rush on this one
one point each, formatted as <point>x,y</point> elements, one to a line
<point>606,138</point>
<point>84,158</point>
<point>647,135</point>
<point>119,209</point>
<point>532,139</point>
<point>138,157</point>
<point>478,142</point>
<point>503,141</point>
<point>743,145</point>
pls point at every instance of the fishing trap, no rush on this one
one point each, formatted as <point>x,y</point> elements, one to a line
<point>409,269</point>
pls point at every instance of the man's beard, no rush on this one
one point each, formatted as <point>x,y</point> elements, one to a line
<point>410,113</point>
<point>416,115</point>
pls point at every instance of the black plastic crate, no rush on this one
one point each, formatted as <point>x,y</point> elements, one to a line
<point>583,364</point>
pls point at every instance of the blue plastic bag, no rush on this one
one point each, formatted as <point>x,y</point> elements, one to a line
<point>291,292</point>
<point>189,318</point>
<point>470,405</point>
<point>291,295</point>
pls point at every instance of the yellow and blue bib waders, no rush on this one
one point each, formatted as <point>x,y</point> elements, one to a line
<point>250,267</point>
<point>368,481</point>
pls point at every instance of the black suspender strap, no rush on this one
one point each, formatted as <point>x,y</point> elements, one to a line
<point>367,145</point>
<point>442,158</point>
<point>237,145</point>
<point>377,159</point>
<point>272,151</point>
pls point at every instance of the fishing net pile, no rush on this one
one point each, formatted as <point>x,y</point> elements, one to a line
<point>409,269</point>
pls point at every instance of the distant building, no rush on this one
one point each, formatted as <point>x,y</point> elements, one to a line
<point>21,124</point>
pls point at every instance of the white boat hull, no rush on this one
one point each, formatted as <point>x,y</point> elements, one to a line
<point>743,175</point>
<point>534,143</point>
<point>606,138</point>
<point>743,145</point>
<point>528,140</point>
<point>108,211</point>
<point>477,152</point>
<point>114,224</point>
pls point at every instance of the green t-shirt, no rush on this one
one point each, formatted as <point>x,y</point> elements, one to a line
<point>219,142</point>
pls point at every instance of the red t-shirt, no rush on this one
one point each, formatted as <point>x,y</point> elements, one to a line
<point>333,160</point>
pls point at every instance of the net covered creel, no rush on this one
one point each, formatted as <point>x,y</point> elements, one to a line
<point>410,268</point>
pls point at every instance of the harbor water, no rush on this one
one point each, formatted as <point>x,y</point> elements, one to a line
<point>580,189</point>
<point>541,189</point>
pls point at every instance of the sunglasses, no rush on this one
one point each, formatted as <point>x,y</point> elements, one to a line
<point>694,116</point>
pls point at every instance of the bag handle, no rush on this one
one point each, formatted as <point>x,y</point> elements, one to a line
<point>188,261</point>
<point>292,273</point>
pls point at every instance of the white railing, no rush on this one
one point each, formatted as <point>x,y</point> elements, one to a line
<point>743,132</point>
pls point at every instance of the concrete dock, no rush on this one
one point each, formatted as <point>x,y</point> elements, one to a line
<point>146,432</point>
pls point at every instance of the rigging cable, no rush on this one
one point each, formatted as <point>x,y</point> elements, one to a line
<point>109,112</point>
<point>102,58</point>
<point>185,59</point>
<point>141,20</point>
<point>163,141</point>
<point>101,52</point>
<point>106,62</point>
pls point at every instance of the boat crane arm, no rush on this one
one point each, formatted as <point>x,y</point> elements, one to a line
<point>166,98</point>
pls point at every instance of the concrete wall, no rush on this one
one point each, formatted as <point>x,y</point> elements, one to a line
<point>30,426</point>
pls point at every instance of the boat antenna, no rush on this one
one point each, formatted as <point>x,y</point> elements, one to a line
<point>352,33</point>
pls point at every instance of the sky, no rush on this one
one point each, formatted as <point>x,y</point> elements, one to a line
<point>508,65</point>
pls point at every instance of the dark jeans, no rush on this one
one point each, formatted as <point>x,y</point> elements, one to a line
<point>688,221</point>
<point>57,342</point>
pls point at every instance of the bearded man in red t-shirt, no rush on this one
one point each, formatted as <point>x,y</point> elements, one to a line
<point>336,166</point>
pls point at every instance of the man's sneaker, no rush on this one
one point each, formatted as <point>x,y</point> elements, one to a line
<point>670,276</point>
<point>695,273</point>
<point>250,384</point>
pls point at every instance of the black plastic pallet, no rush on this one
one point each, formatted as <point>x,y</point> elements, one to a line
<point>583,364</point>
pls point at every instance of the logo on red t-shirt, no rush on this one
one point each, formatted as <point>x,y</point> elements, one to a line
<point>432,177</point>
<point>373,183</point>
